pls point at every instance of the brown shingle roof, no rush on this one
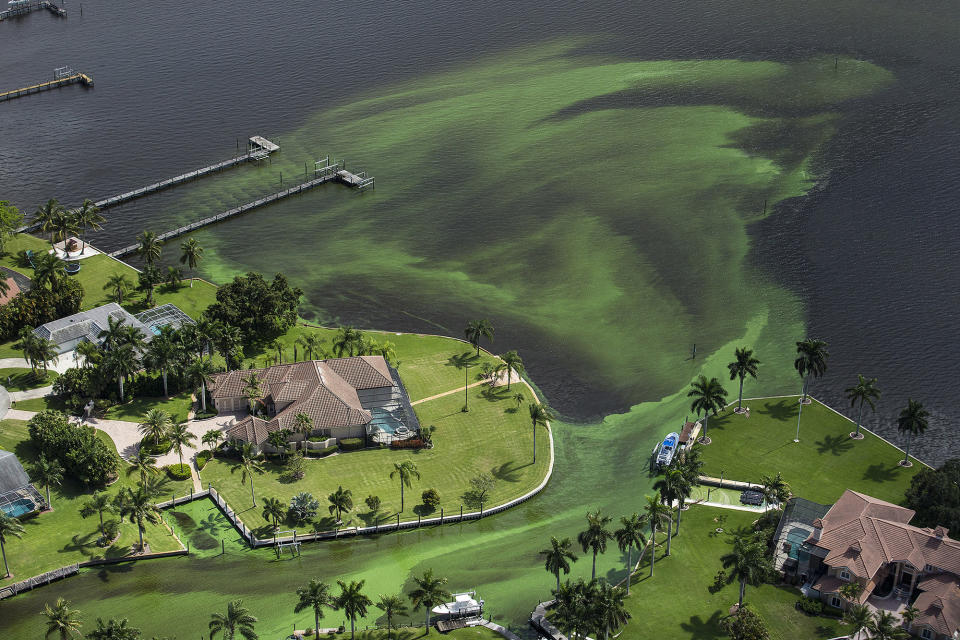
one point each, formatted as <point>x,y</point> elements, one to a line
<point>940,609</point>
<point>325,390</point>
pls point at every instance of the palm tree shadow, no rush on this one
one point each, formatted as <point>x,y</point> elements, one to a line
<point>508,471</point>
<point>720,422</point>
<point>837,445</point>
<point>880,473</point>
<point>782,410</point>
<point>699,629</point>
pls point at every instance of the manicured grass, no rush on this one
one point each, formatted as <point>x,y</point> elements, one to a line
<point>821,467</point>
<point>22,379</point>
<point>7,350</point>
<point>61,537</point>
<point>407,633</point>
<point>133,411</point>
<point>677,603</point>
<point>202,525</point>
<point>424,361</point>
<point>41,404</point>
<point>492,438</point>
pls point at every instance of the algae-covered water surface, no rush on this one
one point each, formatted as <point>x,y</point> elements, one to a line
<point>596,205</point>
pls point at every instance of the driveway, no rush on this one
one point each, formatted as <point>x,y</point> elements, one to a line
<point>64,361</point>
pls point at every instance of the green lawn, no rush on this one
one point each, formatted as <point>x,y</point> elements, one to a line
<point>404,633</point>
<point>22,379</point>
<point>677,603</point>
<point>493,438</point>
<point>133,411</point>
<point>41,404</point>
<point>825,462</point>
<point>61,537</point>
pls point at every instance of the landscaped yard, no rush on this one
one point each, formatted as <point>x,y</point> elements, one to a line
<point>820,467</point>
<point>677,602</point>
<point>133,411</point>
<point>22,379</point>
<point>61,537</point>
<point>493,437</point>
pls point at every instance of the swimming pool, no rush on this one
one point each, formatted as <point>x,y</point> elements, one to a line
<point>795,537</point>
<point>19,507</point>
<point>385,420</point>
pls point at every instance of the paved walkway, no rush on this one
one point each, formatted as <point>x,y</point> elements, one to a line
<point>125,435</point>
<point>30,394</point>
<point>499,382</point>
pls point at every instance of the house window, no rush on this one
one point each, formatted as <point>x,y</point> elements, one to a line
<point>835,601</point>
<point>844,574</point>
<point>926,633</point>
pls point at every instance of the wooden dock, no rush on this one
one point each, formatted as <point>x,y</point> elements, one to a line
<point>29,6</point>
<point>328,173</point>
<point>56,83</point>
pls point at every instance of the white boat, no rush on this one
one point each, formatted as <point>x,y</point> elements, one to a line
<point>667,449</point>
<point>464,604</point>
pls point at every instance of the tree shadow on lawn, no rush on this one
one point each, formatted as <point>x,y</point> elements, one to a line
<point>496,394</point>
<point>720,422</point>
<point>782,410</point>
<point>837,445</point>
<point>85,544</point>
<point>700,629</point>
<point>509,471</point>
<point>878,472</point>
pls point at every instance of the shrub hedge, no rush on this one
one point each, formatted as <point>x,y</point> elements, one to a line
<point>154,448</point>
<point>322,453</point>
<point>178,471</point>
<point>351,444</point>
<point>203,457</point>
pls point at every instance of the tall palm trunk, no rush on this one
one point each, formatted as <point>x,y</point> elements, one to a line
<point>140,529</point>
<point>906,453</point>
<point>557,573</point>
<point>428,619</point>
<point>806,379</point>
<point>740,399</point>
<point>679,511</point>
<point>669,532</point>
<point>466,385</point>
<point>316,622</point>
<point>121,388</point>
<point>389,619</point>
<point>47,487</point>
<point>6,568</point>
<point>253,496</point>
<point>594,573</point>
<point>629,568</point>
<point>653,548</point>
<point>203,395</point>
<point>165,392</point>
<point>401,495</point>
<point>534,444</point>
<point>743,587</point>
<point>351,628</point>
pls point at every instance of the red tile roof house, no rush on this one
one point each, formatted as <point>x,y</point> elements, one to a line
<point>356,397</point>
<point>870,541</point>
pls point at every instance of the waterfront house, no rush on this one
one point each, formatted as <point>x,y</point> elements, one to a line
<point>357,397</point>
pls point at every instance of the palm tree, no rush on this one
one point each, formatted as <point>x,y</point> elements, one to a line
<point>120,285</point>
<point>248,465</point>
<point>47,473</point>
<point>303,424</point>
<point>121,362</point>
<point>775,489</point>
<point>628,536</point>
<point>858,616</point>
<point>558,557</point>
<point>511,361</point>
<point>27,344</point>
<point>181,437</point>
<point>340,500</point>
<point>48,268</point>
<point>276,344</point>
<point>708,396</point>
<point>199,372</point>
<point>149,247</point>
<point>162,354</point>
<point>62,620</point>
<point>191,253</point>
<point>253,389</point>
<point>238,619</point>
<point>747,563</point>
<point>143,463</point>
<point>864,392</point>
<point>478,329</point>
<point>595,536</point>
<point>46,214</point>
<point>909,615</point>
<point>671,486</point>
<point>139,506</point>
<point>212,438</point>
<point>44,352</point>
<point>114,630</point>
<point>311,343</point>
<point>99,503</point>
<point>9,526</point>
<point>405,471</point>
<point>391,606</point>
<point>278,440</point>
<point>88,217</point>
<point>913,422</point>
<point>353,601</point>
<point>156,424</point>
<point>428,593</point>
<point>347,341</point>
<point>519,398</point>
<point>64,225</point>
<point>609,609</point>
<point>656,514</point>
<point>315,595</point>
<point>540,415</point>
<point>744,365</point>
<point>465,361</point>
<point>274,509</point>
<point>811,360</point>
<point>884,627</point>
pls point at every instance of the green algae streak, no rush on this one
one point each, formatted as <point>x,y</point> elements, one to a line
<point>600,203</point>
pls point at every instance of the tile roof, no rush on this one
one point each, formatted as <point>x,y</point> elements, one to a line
<point>317,388</point>
<point>940,608</point>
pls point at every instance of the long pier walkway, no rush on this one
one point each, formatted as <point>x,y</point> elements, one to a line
<point>23,7</point>
<point>327,173</point>
<point>60,80</point>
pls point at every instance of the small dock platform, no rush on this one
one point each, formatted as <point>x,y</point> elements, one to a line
<point>61,77</point>
<point>328,172</point>
<point>23,7</point>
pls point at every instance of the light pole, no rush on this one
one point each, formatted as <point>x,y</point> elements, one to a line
<point>799,413</point>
